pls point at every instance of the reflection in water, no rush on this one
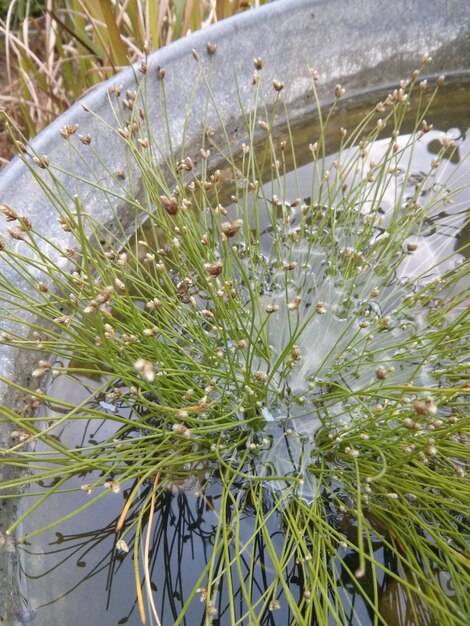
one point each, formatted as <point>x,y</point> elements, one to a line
<point>86,564</point>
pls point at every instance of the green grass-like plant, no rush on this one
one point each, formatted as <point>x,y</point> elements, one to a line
<point>274,347</point>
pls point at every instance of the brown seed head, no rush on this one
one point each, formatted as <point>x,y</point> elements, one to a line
<point>114,91</point>
<point>290,266</point>
<point>62,319</point>
<point>381,373</point>
<point>230,229</point>
<point>68,130</point>
<point>339,91</point>
<point>170,204</point>
<point>8,212</point>
<point>213,269</point>
<point>295,354</point>
<point>42,162</point>
<point>25,223</point>
<point>261,377</point>
<point>425,407</point>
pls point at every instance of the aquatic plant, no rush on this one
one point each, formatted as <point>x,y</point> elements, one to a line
<point>304,357</point>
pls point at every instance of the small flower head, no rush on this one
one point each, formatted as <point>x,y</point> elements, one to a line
<point>16,233</point>
<point>290,266</point>
<point>202,591</point>
<point>295,354</point>
<point>339,91</point>
<point>230,229</point>
<point>68,130</point>
<point>272,308</point>
<point>314,74</point>
<point>425,407</point>
<point>42,161</point>
<point>181,429</point>
<point>381,373</point>
<point>426,58</point>
<point>145,369</point>
<point>21,436</point>
<point>170,204</point>
<point>294,304</point>
<point>213,269</point>
<point>8,212</point>
<point>122,546</point>
<point>261,377</point>
<point>211,610</point>
<point>113,485</point>
<point>211,48</point>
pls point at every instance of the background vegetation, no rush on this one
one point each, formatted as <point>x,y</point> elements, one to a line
<point>55,50</point>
